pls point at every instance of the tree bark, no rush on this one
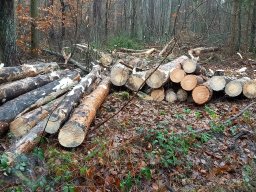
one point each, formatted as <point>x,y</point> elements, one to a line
<point>8,50</point>
<point>61,114</point>
<point>23,71</point>
<point>34,5</point>
<point>37,97</point>
<point>14,89</point>
<point>73,133</point>
<point>24,123</point>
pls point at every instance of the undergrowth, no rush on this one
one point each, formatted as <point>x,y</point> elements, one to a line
<point>123,42</point>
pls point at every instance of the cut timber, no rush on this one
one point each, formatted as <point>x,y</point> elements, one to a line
<point>190,66</point>
<point>23,71</point>
<point>30,140</point>
<point>158,94</point>
<point>37,97</point>
<point>167,47</point>
<point>249,89</point>
<point>218,83</point>
<point>189,82</point>
<point>199,50</point>
<point>106,59</point>
<point>235,88</point>
<point>182,95</point>
<point>136,81</point>
<point>202,94</point>
<point>14,89</point>
<point>73,133</point>
<point>61,114</point>
<point>23,124</point>
<point>162,74</point>
<point>119,74</point>
<point>170,96</point>
<point>177,75</point>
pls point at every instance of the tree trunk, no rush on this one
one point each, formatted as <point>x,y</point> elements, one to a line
<point>24,123</point>
<point>62,113</point>
<point>235,88</point>
<point>37,97</point>
<point>23,71</point>
<point>34,5</point>
<point>253,29</point>
<point>119,74</point>
<point>162,74</point>
<point>14,89</point>
<point>136,81</point>
<point>234,19</point>
<point>249,89</point>
<point>8,50</point>
<point>73,133</point>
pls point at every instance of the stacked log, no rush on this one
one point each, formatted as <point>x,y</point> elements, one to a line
<point>249,89</point>
<point>235,88</point>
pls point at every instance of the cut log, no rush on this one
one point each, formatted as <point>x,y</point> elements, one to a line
<point>73,133</point>
<point>170,96</point>
<point>177,75</point>
<point>202,94</point>
<point>23,124</point>
<point>144,96</point>
<point>235,88</point>
<point>200,50</point>
<point>61,114</point>
<point>218,83</point>
<point>191,66</point>
<point>162,74</point>
<point>182,95</point>
<point>158,94</point>
<point>14,89</point>
<point>28,141</point>
<point>249,89</point>
<point>167,47</point>
<point>37,97</point>
<point>136,80</point>
<point>119,74</point>
<point>106,59</point>
<point>189,82</point>
<point>15,73</point>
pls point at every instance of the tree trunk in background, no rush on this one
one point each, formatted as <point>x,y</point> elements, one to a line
<point>239,39</point>
<point>108,2</point>
<point>253,28</point>
<point>234,19</point>
<point>34,5</point>
<point>133,18</point>
<point>63,30</point>
<point>8,50</point>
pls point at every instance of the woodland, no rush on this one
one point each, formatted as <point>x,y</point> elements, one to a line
<point>128,95</point>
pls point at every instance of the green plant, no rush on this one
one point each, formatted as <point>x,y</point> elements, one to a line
<point>211,112</point>
<point>123,42</point>
<point>126,183</point>
<point>205,137</point>
<point>198,114</point>
<point>249,178</point>
<point>187,110</point>
<point>124,95</point>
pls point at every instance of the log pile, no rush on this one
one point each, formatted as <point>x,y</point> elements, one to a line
<point>42,99</point>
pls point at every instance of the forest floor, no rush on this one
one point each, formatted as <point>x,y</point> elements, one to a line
<point>154,146</point>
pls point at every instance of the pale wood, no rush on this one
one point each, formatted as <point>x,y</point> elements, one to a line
<point>106,59</point>
<point>235,88</point>
<point>24,123</point>
<point>37,97</point>
<point>119,74</point>
<point>62,113</point>
<point>158,94</point>
<point>189,66</point>
<point>200,50</point>
<point>162,74</point>
<point>202,94</point>
<point>189,82</point>
<point>218,83</point>
<point>182,95</point>
<point>19,72</point>
<point>177,75</point>
<point>73,133</point>
<point>14,89</point>
<point>136,80</point>
<point>170,96</point>
<point>249,89</point>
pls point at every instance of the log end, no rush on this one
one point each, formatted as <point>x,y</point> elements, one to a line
<point>71,136</point>
<point>177,75</point>
<point>189,66</point>
<point>217,83</point>
<point>3,127</point>
<point>134,83</point>
<point>182,95</point>
<point>158,94</point>
<point>52,127</point>
<point>157,79</point>
<point>201,94</point>
<point>170,96</point>
<point>249,89</point>
<point>189,82</point>
<point>233,88</point>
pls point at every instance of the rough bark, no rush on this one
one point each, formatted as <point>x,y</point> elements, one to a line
<point>73,133</point>
<point>8,50</point>
<point>249,89</point>
<point>34,5</point>
<point>202,94</point>
<point>170,96</point>
<point>37,97</point>
<point>23,71</point>
<point>119,74</point>
<point>24,123</point>
<point>61,114</point>
<point>162,74</point>
<point>189,82</point>
<point>235,88</point>
<point>14,89</point>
